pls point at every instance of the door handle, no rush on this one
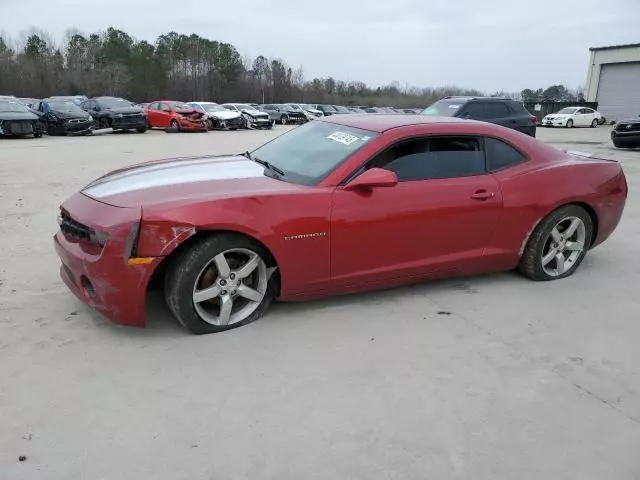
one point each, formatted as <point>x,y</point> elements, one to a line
<point>482,195</point>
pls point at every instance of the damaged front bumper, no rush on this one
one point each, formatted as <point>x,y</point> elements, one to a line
<point>94,244</point>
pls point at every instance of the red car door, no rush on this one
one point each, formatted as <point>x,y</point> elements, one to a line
<point>164,115</point>
<point>436,221</point>
<point>152,114</point>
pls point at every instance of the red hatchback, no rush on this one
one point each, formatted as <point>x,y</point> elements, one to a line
<point>342,204</point>
<point>177,116</point>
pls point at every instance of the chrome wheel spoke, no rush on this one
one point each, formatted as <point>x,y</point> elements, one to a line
<point>575,223</point>
<point>226,305</point>
<point>555,234</point>
<point>560,263</point>
<point>249,267</point>
<point>548,257</point>
<point>574,246</point>
<point>206,294</point>
<point>222,265</point>
<point>249,293</point>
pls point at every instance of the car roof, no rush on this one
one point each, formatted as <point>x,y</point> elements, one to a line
<point>380,122</point>
<point>484,99</point>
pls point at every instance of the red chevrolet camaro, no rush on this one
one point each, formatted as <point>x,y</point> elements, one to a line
<point>342,204</point>
<point>177,116</point>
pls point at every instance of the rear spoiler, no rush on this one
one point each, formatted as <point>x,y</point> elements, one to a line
<point>591,156</point>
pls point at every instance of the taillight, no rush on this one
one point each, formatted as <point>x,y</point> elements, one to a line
<point>533,119</point>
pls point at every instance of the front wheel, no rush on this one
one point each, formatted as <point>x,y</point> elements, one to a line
<point>221,282</point>
<point>569,123</point>
<point>174,126</point>
<point>284,119</point>
<point>141,129</point>
<point>557,245</point>
<point>595,123</point>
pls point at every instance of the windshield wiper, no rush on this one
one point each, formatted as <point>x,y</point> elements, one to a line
<point>264,163</point>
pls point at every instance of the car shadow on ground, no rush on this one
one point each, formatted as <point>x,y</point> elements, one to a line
<point>162,324</point>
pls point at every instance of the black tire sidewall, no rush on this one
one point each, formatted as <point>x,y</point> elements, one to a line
<point>182,274</point>
<point>531,260</point>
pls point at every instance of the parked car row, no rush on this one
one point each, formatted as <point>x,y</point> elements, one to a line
<point>79,115</point>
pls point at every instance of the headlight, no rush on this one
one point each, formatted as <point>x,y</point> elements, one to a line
<point>90,118</point>
<point>119,115</point>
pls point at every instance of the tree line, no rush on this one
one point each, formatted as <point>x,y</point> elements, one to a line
<point>183,67</point>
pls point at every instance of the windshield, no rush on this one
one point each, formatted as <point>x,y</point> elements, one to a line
<point>444,108</point>
<point>293,106</point>
<point>212,107</point>
<point>342,109</point>
<point>569,110</point>
<point>7,106</point>
<point>242,106</point>
<point>309,153</point>
<point>114,103</point>
<point>65,107</point>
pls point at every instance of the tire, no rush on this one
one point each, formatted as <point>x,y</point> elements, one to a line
<point>595,123</point>
<point>211,124</point>
<point>174,125</point>
<point>284,119</point>
<point>104,123</point>
<point>543,245</point>
<point>569,123</point>
<point>199,264</point>
<point>602,121</point>
<point>141,129</point>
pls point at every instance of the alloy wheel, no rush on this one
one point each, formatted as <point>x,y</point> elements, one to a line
<point>230,287</point>
<point>563,247</point>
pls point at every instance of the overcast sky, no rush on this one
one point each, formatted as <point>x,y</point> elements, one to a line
<point>485,44</point>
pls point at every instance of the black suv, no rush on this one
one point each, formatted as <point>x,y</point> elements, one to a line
<point>501,111</point>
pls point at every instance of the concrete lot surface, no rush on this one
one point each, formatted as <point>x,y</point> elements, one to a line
<point>518,380</point>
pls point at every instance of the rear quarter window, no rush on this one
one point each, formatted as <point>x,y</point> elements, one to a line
<point>501,155</point>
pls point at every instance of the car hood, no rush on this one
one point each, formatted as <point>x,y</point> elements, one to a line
<point>253,112</point>
<point>18,116</point>
<point>226,115</point>
<point>124,110</point>
<point>633,121</point>
<point>70,116</point>
<point>184,180</point>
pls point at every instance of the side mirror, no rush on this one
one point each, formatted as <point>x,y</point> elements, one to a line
<point>374,177</point>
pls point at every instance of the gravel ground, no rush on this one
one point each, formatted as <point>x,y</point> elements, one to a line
<point>517,379</point>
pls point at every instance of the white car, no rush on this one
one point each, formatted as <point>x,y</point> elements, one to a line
<point>253,117</point>
<point>573,117</point>
<point>309,112</point>
<point>218,116</point>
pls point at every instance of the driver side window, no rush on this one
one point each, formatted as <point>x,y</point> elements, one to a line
<point>432,158</point>
<point>164,107</point>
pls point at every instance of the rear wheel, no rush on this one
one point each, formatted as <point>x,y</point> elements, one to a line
<point>557,245</point>
<point>569,123</point>
<point>221,282</point>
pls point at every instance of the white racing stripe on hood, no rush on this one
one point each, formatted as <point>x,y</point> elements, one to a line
<point>176,172</point>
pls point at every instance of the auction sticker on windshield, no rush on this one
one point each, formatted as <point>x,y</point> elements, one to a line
<point>344,138</point>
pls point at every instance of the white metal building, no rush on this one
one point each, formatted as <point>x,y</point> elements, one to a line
<point>614,80</point>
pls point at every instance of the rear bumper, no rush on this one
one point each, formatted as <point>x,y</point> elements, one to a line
<point>101,276</point>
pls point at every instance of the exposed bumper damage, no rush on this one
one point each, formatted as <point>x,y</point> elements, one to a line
<point>96,259</point>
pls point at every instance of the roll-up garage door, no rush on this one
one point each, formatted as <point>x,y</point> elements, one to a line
<point>619,90</point>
